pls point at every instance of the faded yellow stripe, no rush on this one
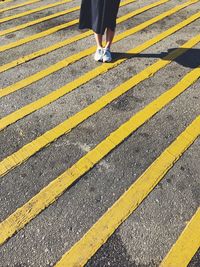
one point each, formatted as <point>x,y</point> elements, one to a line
<point>19,5</point>
<point>98,234</point>
<point>58,28</point>
<point>31,2</point>
<point>58,14</point>
<point>28,109</point>
<point>50,193</point>
<point>33,11</point>
<point>34,22</point>
<point>187,244</point>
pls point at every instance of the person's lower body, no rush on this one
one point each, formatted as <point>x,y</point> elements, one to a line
<point>100,16</point>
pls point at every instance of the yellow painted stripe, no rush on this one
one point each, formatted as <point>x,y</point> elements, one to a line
<point>37,36</point>
<point>28,109</point>
<point>51,192</point>
<point>34,22</point>
<point>99,233</point>
<point>64,43</point>
<point>53,30</point>
<point>19,5</point>
<point>39,53</point>
<point>33,147</point>
<point>33,11</point>
<point>186,246</point>
<point>58,14</point>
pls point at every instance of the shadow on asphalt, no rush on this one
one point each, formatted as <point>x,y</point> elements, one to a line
<point>190,58</point>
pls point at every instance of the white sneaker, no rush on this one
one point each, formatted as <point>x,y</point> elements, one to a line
<point>99,55</point>
<point>107,57</point>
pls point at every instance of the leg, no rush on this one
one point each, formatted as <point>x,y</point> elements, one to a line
<point>107,57</point>
<point>99,39</point>
<point>99,52</point>
<point>109,38</point>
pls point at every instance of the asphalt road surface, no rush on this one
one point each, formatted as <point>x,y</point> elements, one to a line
<point>99,163</point>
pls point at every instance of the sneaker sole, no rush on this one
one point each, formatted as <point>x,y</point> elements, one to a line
<point>98,60</point>
<point>107,61</point>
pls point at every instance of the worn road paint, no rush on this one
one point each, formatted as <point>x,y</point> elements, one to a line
<point>33,11</point>
<point>34,22</point>
<point>19,5</point>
